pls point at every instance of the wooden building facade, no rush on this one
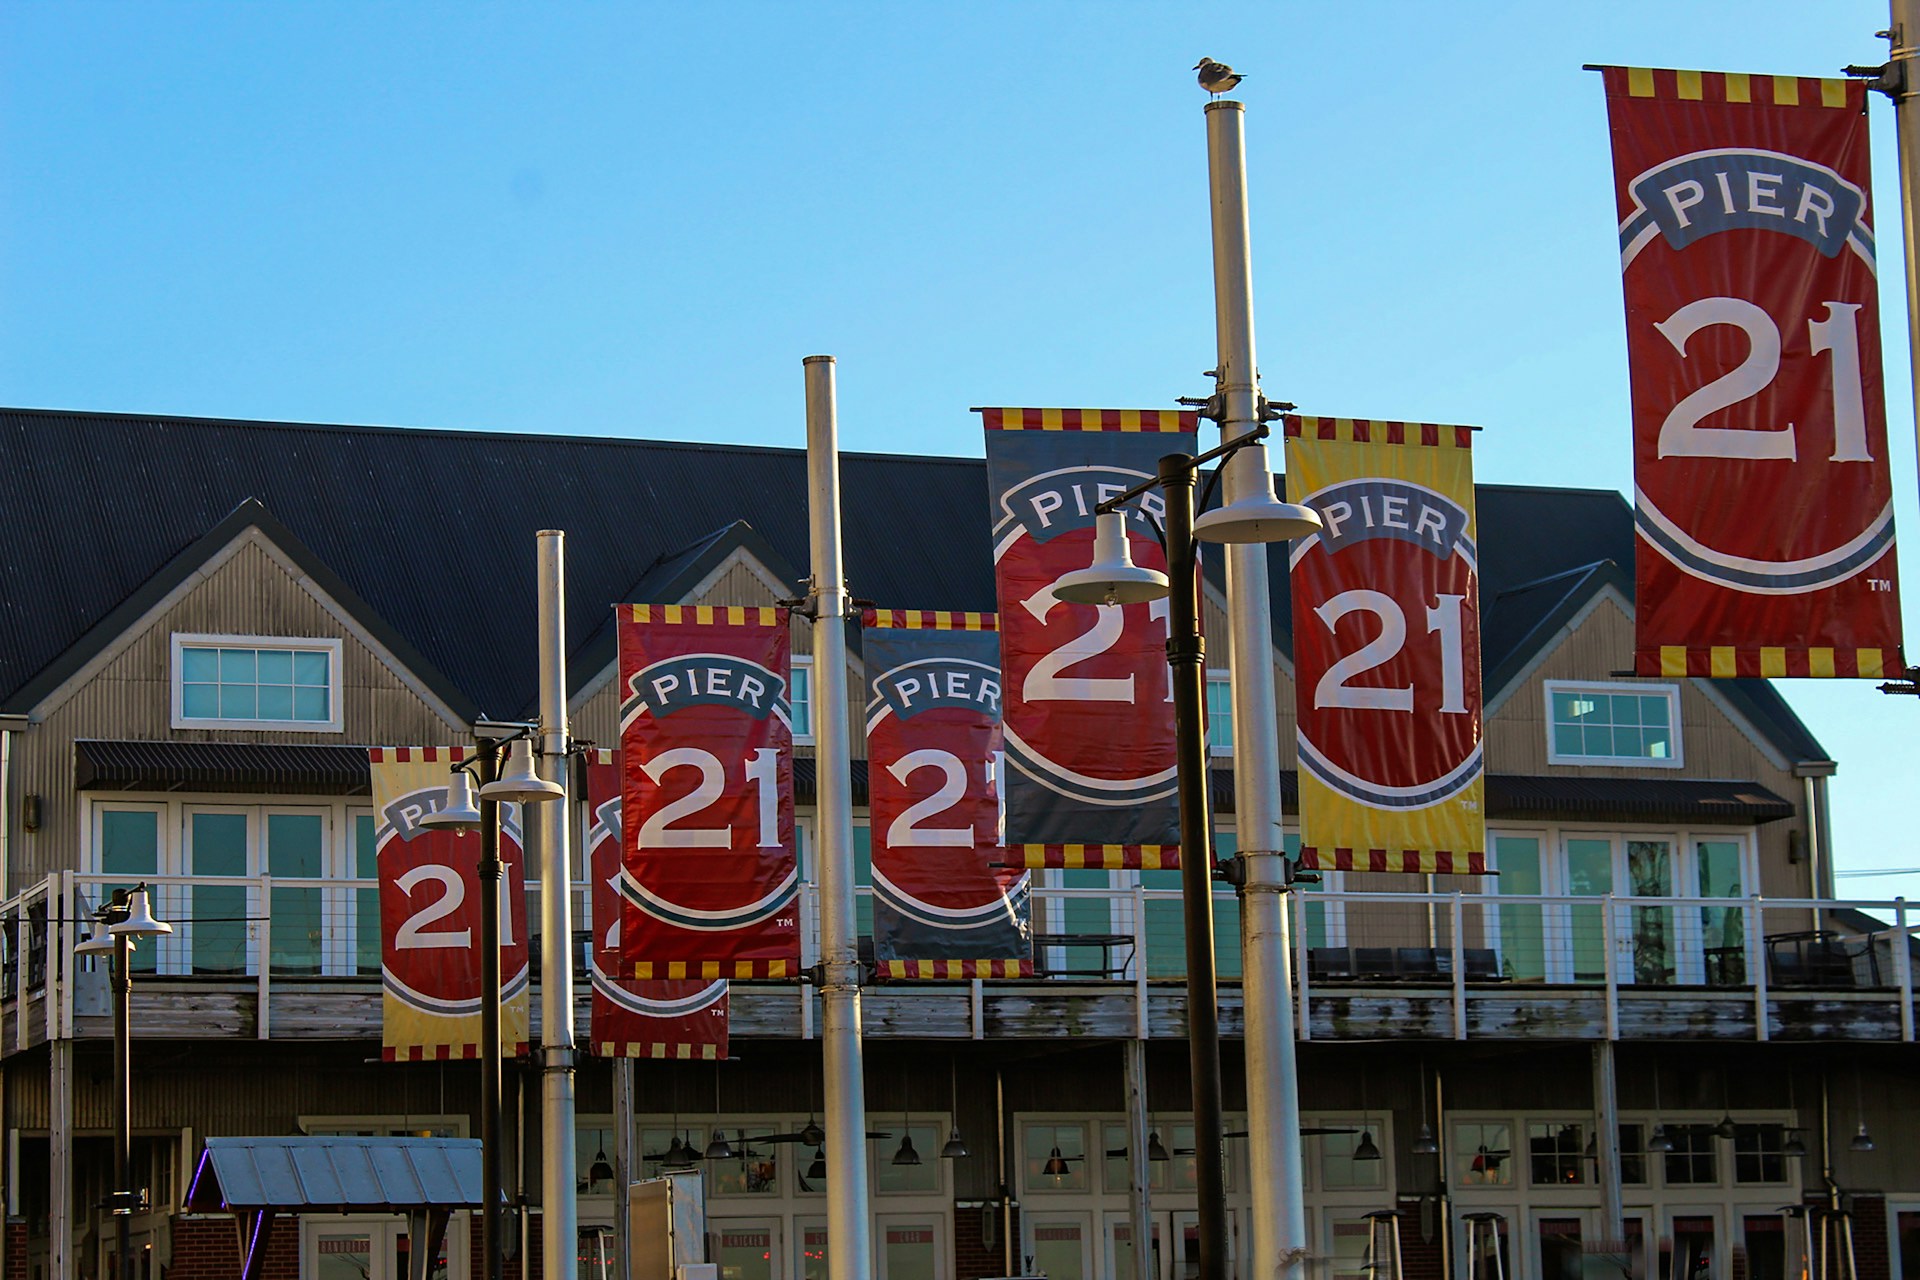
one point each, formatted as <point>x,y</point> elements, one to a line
<point>1660,953</point>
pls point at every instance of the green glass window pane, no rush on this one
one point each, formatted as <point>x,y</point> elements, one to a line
<point>1523,955</point>
<point>237,666</point>
<point>1719,868</point>
<point>1085,915</point>
<point>1626,708</point>
<point>310,668</point>
<point>1654,711</point>
<point>237,702</point>
<point>1567,740</point>
<point>220,929</point>
<point>1597,740</point>
<point>200,701</point>
<point>201,666</point>
<point>275,666</point>
<point>1166,928</point>
<point>295,844</point>
<point>1626,743</point>
<point>1564,711</point>
<point>1219,715</point>
<point>905,1179</point>
<point>276,702</point>
<point>130,842</point>
<point>1659,744</point>
<point>1590,867</point>
<point>863,877</point>
<point>366,901</point>
<point>800,698</point>
<point>219,844</point>
<point>310,704</point>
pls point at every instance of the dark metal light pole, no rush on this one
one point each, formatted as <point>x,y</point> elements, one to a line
<point>118,923</point>
<point>516,781</point>
<point>1114,579</point>
<point>1186,660</point>
<point>491,1178</point>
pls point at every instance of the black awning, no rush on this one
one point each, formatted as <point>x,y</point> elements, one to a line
<point>1634,799</point>
<point>283,768</point>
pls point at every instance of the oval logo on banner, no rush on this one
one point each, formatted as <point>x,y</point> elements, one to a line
<point>430,886</point>
<point>1092,682</point>
<point>1389,655</point>
<point>1769,401</point>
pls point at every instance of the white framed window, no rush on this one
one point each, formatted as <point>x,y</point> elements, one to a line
<point>1219,714</point>
<point>1629,724</point>
<point>256,682</point>
<point>800,699</point>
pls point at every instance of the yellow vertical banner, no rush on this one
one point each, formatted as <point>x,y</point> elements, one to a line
<point>1386,642</point>
<point>430,916</point>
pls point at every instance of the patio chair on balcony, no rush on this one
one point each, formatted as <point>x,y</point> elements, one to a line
<point>1822,958</point>
<point>1374,962</point>
<point>1483,965</point>
<point>1416,964</point>
<point>1329,964</point>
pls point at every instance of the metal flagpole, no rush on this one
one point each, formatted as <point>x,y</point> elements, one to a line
<point>1273,1099</point>
<point>849,1250</point>
<point>559,1243</point>
<point>1904,31</point>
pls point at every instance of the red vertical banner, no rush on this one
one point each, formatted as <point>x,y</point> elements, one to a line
<point>430,922</point>
<point>1762,495</point>
<point>707,792</point>
<point>632,1018</point>
<point>945,904</point>
<point>1386,647</point>
<point>1091,774</point>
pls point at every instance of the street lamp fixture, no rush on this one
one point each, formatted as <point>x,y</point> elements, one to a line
<point>461,810</point>
<point>117,927</point>
<point>1115,579</point>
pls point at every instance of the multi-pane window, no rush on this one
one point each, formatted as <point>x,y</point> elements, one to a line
<point>1556,1154</point>
<point>1759,1153</point>
<point>1692,1162</point>
<point>800,699</point>
<point>1613,724</point>
<point>1633,1156</point>
<point>250,682</point>
<point>1483,1154</point>
<point>1056,1157</point>
<point>1219,714</point>
<point>1340,1170</point>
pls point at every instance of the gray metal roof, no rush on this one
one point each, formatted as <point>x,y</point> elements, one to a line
<point>409,529</point>
<point>337,1174</point>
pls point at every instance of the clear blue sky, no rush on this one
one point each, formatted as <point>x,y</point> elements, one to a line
<point>635,219</point>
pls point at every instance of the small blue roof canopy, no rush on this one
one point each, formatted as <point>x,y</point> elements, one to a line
<point>425,1178</point>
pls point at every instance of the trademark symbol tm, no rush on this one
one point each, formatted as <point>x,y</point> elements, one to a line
<point>1879,584</point>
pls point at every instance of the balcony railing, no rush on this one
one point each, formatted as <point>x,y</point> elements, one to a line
<point>265,930</point>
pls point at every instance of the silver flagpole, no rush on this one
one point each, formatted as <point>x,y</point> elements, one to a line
<point>560,1210</point>
<point>1273,1100</point>
<point>849,1248</point>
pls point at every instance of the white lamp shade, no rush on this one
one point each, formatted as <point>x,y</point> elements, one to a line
<point>518,781</point>
<point>458,812</point>
<point>1258,517</point>
<point>1113,578</point>
<point>100,944</point>
<point>140,921</point>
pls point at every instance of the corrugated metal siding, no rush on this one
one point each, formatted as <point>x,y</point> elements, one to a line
<point>129,696</point>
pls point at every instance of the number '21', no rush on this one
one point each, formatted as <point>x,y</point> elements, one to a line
<point>1838,333</point>
<point>1443,619</point>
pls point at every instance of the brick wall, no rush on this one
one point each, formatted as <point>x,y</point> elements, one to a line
<point>208,1248</point>
<point>972,1256</point>
<point>1420,1259</point>
<point>16,1249</point>
<point>1872,1258</point>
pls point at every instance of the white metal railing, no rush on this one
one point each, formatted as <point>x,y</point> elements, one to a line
<point>269,929</point>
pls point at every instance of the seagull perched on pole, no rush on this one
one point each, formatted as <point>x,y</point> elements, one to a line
<point>1216,77</point>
